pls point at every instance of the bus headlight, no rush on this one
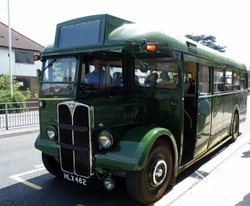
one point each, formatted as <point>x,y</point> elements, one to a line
<point>105,140</point>
<point>42,104</point>
<point>51,132</point>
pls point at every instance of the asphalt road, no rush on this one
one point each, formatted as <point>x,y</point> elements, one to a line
<point>24,181</point>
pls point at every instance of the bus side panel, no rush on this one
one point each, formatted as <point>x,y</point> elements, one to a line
<point>203,124</point>
<point>241,100</point>
<point>228,112</point>
<point>217,119</point>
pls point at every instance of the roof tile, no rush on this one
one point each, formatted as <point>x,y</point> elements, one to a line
<point>19,41</point>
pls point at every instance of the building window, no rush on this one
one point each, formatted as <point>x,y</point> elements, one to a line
<point>25,57</point>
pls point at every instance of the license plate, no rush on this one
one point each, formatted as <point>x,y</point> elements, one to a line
<point>75,178</point>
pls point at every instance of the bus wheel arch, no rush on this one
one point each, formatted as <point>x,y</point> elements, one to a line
<point>52,165</point>
<point>150,184</point>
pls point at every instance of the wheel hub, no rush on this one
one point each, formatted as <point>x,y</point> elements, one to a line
<point>159,173</point>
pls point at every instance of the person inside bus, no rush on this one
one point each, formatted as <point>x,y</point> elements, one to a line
<point>98,77</point>
<point>117,80</point>
<point>137,83</point>
<point>164,80</point>
<point>151,79</point>
<point>191,89</point>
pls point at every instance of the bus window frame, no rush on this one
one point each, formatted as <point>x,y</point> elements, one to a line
<point>209,78</point>
<point>219,83</point>
<point>228,86</point>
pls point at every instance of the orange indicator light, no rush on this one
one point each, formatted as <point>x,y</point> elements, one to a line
<point>151,47</point>
<point>36,57</point>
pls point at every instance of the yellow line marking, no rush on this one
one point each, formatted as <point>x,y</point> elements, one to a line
<point>27,183</point>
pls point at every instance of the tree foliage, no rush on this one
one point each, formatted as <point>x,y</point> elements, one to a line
<point>207,40</point>
<point>5,90</point>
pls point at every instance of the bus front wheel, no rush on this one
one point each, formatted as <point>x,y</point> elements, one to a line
<point>150,184</point>
<point>52,165</point>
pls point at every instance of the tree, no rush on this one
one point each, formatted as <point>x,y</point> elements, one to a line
<point>207,40</point>
<point>5,90</point>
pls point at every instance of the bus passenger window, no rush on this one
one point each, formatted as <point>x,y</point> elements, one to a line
<point>218,80</point>
<point>204,80</point>
<point>161,73</point>
<point>229,81</point>
<point>236,80</point>
<point>243,82</point>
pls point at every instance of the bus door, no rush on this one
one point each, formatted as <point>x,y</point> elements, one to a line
<point>197,109</point>
<point>204,102</point>
<point>190,110</point>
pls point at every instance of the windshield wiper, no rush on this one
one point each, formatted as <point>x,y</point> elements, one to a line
<point>51,63</point>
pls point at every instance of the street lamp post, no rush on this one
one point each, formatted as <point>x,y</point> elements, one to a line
<point>10,51</point>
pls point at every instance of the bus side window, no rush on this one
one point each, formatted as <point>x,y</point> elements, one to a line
<point>204,80</point>
<point>236,80</point>
<point>229,81</point>
<point>218,80</point>
<point>243,82</point>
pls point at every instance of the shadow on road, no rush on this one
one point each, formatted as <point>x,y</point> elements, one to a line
<point>60,192</point>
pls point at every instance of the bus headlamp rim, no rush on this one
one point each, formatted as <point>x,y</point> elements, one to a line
<point>51,132</point>
<point>105,140</point>
<point>40,104</point>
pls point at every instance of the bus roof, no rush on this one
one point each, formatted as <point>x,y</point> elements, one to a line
<point>105,32</point>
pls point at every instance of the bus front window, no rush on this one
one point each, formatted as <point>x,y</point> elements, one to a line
<point>59,76</point>
<point>102,76</point>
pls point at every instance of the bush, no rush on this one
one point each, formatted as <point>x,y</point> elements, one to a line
<point>17,95</point>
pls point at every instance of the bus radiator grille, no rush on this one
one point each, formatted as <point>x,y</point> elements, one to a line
<point>74,138</point>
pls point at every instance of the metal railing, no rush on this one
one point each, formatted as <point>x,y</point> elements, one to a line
<point>15,114</point>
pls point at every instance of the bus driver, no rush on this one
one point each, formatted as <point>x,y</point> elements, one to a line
<point>98,76</point>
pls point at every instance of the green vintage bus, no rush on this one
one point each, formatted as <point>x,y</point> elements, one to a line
<point>158,104</point>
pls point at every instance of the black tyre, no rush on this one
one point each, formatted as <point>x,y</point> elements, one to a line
<point>52,165</point>
<point>150,184</point>
<point>235,126</point>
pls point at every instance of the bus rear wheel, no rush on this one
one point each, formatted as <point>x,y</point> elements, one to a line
<point>52,165</point>
<point>235,126</point>
<point>150,184</point>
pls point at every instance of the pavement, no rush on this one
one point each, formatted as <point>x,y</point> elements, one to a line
<point>21,130</point>
<point>223,180</point>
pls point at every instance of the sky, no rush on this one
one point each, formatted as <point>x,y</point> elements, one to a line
<point>227,20</point>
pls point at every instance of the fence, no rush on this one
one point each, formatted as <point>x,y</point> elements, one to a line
<point>15,114</point>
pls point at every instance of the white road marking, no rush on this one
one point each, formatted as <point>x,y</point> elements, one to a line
<point>25,182</point>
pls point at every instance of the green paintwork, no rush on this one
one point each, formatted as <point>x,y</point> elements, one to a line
<point>47,146</point>
<point>131,152</point>
<point>160,111</point>
<point>48,117</point>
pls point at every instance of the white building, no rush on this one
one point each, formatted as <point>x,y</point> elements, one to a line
<point>23,65</point>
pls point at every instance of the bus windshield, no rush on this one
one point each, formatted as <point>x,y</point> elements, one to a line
<point>59,76</point>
